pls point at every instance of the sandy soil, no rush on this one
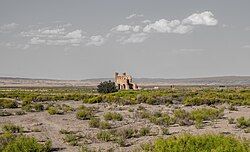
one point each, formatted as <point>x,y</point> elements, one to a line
<point>50,125</point>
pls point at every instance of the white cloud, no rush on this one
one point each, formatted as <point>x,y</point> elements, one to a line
<point>37,40</point>
<point>182,29</point>
<point>204,18</point>
<point>54,31</point>
<point>121,28</point>
<point>136,28</point>
<point>14,45</point>
<point>77,34</point>
<point>176,26</point>
<point>146,21</point>
<point>162,26</point>
<point>8,27</point>
<point>135,38</point>
<point>134,15</point>
<point>96,40</point>
<point>126,28</point>
<point>130,16</point>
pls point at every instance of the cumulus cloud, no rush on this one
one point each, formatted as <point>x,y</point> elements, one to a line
<point>54,36</point>
<point>204,18</point>
<point>133,16</point>
<point>14,45</point>
<point>126,28</point>
<point>135,38</point>
<point>146,21</point>
<point>37,40</point>
<point>8,27</point>
<point>77,34</point>
<point>121,28</point>
<point>162,26</point>
<point>181,27</point>
<point>54,31</point>
<point>96,40</point>
<point>165,26</point>
<point>136,28</point>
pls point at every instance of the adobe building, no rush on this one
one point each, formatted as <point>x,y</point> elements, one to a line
<point>124,82</point>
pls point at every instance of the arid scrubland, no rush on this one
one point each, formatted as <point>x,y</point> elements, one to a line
<point>80,119</point>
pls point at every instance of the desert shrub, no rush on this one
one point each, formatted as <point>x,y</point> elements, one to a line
<point>5,139</point>
<point>243,122</point>
<point>141,98</point>
<point>141,108</point>
<point>8,103</point>
<point>72,139</point>
<point>84,113</point>
<point>121,141</point>
<point>26,144</point>
<point>232,108</point>
<point>94,122</point>
<point>95,99</point>
<point>27,108</point>
<point>160,119</point>
<point>63,131</point>
<point>20,112</point>
<point>105,125</point>
<point>165,131</point>
<point>206,142</point>
<point>84,148</point>
<point>202,114</point>
<point>144,114</point>
<point>130,110</point>
<point>54,110</point>
<point>5,113</point>
<point>247,130</point>
<point>104,136</point>
<point>32,107</point>
<point>231,120</point>
<point>12,128</point>
<point>144,131</point>
<point>206,114</point>
<point>38,107</point>
<point>182,117</point>
<point>107,87</point>
<point>113,116</point>
<point>127,133</point>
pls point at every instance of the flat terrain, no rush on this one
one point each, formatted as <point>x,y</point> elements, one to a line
<point>55,127</point>
<point>210,81</point>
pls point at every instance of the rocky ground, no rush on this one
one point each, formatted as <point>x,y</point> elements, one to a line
<point>44,126</point>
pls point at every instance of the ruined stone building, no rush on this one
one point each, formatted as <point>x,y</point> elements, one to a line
<point>124,82</point>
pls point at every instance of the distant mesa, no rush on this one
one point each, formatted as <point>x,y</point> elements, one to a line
<point>124,82</point>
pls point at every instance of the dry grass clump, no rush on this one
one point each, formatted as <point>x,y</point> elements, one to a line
<point>12,128</point>
<point>8,103</point>
<point>59,109</point>
<point>194,143</point>
<point>113,116</point>
<point>84,113</point>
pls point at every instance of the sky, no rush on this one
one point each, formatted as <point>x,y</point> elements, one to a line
<point>80,39</point>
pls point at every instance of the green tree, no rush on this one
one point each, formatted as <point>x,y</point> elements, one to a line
<point>107,87</point>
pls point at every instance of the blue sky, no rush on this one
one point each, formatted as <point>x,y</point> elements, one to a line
<point>76,39</point>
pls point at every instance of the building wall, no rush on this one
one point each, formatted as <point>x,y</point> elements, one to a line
<point>124,81</point>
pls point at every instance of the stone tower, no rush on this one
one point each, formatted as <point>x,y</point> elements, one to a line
<point>124,82</point>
